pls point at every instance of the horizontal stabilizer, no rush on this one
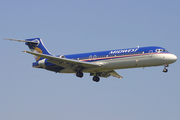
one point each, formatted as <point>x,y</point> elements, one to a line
<point>20,40</point>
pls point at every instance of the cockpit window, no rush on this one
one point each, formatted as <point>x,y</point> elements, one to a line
<point>161,50</point>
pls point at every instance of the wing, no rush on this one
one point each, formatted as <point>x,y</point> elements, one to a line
<point>106,74</point>
<point>58,60</point>
<point>115,74</point>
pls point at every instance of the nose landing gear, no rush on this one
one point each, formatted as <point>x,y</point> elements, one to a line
<point>165,70</point>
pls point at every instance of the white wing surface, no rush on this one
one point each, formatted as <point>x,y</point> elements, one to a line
<point>56,60</point>
<point>59,61</point>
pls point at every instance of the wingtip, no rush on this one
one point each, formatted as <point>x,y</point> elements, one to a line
<point>5,38</point>
<point>24,51</point>
<point>8,39</point>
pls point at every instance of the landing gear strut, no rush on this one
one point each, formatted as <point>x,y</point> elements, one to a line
<point>96,79</point>
<point>79,74</point>
<point>165,70</point>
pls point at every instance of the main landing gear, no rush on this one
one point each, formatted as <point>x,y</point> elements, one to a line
<point>96,79</point>
<point>79,74</point>
<point>165,70</point>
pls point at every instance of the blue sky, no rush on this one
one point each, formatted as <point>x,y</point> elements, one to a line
<point>69,26</point>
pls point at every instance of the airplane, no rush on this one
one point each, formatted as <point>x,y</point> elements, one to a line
<point>98,64</point>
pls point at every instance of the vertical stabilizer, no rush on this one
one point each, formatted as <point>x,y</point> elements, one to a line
<point>36,45</point>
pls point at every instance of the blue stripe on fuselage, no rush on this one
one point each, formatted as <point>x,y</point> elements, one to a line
<point>115,57</point>
<point>105,54</point>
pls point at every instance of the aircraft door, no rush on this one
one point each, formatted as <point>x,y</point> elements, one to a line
<point>150,53</point>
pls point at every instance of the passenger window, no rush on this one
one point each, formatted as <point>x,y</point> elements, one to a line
<point>90,57</point>
<point>94,56</point>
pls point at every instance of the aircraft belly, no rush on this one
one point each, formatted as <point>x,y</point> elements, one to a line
<point>121,63</point>
<point>133,62</point>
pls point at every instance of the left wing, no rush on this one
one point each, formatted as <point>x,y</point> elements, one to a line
<point>58,60</point>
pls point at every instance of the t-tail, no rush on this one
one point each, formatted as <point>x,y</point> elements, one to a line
<point>35,45</point>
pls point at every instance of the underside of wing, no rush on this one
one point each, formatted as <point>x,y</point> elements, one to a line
<point>115,74</point>
<point>106,74</point>
<point>58,61</point>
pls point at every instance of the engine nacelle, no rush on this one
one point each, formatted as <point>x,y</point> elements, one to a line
<point>42,63</point>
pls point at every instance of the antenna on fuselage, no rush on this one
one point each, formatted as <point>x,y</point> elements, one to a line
<point>137,46</point>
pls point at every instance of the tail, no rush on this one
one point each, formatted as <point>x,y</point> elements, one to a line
<point>36,45</point>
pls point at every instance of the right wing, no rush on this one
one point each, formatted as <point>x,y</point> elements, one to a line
<point>115,74</point>
<point>106,74</point>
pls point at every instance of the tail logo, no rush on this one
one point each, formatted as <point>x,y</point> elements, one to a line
<point>37,50</point>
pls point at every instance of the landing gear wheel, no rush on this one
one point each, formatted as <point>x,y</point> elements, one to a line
<point>165,70</point>
<point>96,79</point>
<point>79,74</point>
<point>166,65</point>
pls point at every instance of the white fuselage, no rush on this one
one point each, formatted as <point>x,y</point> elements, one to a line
<point>131,61</point>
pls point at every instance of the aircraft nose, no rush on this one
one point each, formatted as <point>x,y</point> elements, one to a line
<point>173,58</point>
<point>169,58</point>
